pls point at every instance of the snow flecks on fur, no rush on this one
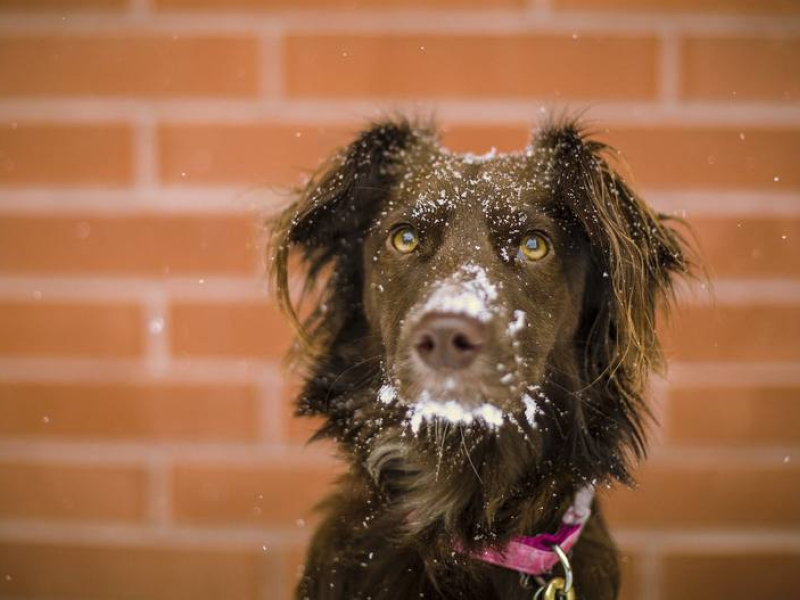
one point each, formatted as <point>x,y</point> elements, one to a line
<point>531,406</point>
<point>468,292</point>
<point>517,323</point>
<point>387,394</point>
<point>452,411</point>
<point>530,410</point>
<point>472,159</point>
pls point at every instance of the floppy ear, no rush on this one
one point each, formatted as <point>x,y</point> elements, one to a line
<point>636,255</point>
<point>326,223</point>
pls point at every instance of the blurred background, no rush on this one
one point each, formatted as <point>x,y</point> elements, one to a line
<point>146,444</point>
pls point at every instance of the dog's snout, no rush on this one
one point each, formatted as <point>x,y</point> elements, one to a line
<point>446,341</point>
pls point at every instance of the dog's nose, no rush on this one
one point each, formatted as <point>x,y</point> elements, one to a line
<point>445,341</point>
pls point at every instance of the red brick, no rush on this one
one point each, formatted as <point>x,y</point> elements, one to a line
<point>293,569</point>
<point>126,66</point>
<point>674,157</point>
<point>62,5</point>
<point>268,496</point>
<point>131,245</point>
<point>734,333</point>
<point>751,247</point>
<point>479,139</point>
<point>70,329</point>
<point>149,412</point>
<point>40,154</point>
<point>710,495</point>
<point>53,491</point>
<point>740,69</point>
<point>740,415</point>
<point>711,158</point>
<point>256,153</point>
<point>737,574</point>
<point>780,7</point>
<point>479,66</point>
<point>349,5</point>
<point>93,572</point>
<point>241,329</point>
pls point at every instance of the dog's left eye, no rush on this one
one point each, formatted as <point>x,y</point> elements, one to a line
<point>404,239</point>
<point>534,246</point>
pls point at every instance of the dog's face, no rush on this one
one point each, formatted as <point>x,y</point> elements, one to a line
<point>474,280</point>
<point>509,295</point>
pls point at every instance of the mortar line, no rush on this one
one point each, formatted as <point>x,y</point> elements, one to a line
<point>158,498</point>
<point>156,327</point>
<point>669,67</point>
<point>271,426</point>
<point>271,57</point>
<point>649,573</point>
<point>444,22</point>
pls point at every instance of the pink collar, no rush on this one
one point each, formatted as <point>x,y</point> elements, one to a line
<point>534,555</point>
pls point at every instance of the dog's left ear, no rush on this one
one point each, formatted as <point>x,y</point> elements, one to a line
<point>636,255</point>
<point>326,223</point>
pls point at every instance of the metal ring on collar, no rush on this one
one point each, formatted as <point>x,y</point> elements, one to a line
<point>562,557</point>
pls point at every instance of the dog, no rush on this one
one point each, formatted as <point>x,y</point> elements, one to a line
<point>480,336</point>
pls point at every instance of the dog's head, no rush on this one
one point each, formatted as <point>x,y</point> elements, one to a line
<point>498,295</point>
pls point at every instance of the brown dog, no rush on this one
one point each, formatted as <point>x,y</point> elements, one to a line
<point>479,351</point>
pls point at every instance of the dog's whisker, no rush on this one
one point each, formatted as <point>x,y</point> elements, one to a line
<point>467,454</point>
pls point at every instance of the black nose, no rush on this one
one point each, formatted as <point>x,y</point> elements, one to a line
<point>448,341</point>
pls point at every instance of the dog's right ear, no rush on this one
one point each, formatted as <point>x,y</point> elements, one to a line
<point>335,208</point>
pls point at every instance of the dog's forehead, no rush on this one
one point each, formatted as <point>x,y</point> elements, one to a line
<point>440,181</point>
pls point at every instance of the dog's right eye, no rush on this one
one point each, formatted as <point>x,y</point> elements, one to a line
<point>404,239</point>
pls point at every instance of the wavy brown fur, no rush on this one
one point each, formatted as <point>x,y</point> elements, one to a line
<point>391,525</point>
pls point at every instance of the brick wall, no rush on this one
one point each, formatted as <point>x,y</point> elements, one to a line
<point>145,444</point>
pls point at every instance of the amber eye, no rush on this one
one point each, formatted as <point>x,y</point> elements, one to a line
<point>534,246</point>
<point>404,239</point>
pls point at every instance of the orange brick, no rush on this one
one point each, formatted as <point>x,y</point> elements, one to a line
<point>243,329</point>
<point>710,495</point>
<point>255,153</point>
<point>70,329</point>
<point>293,569</point>
<point>124,66</point>
<point>140,245</point>
<point>480,66</point>
<point>733,575</point>
<point>269,495</point>
<point>674,157</point>
<point>144,411</point>
<point>702,157</point>
<point>738,415</point>
<point>734,333</point>
<point>96,572</point>
<point>479,139</point>
<point>36,491</point>
<point>740,69</point>
<point>61,5</point>
<point>330,4</point>
<point>39,154</point>
<point>781,7</point>
<point>752,247</point>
